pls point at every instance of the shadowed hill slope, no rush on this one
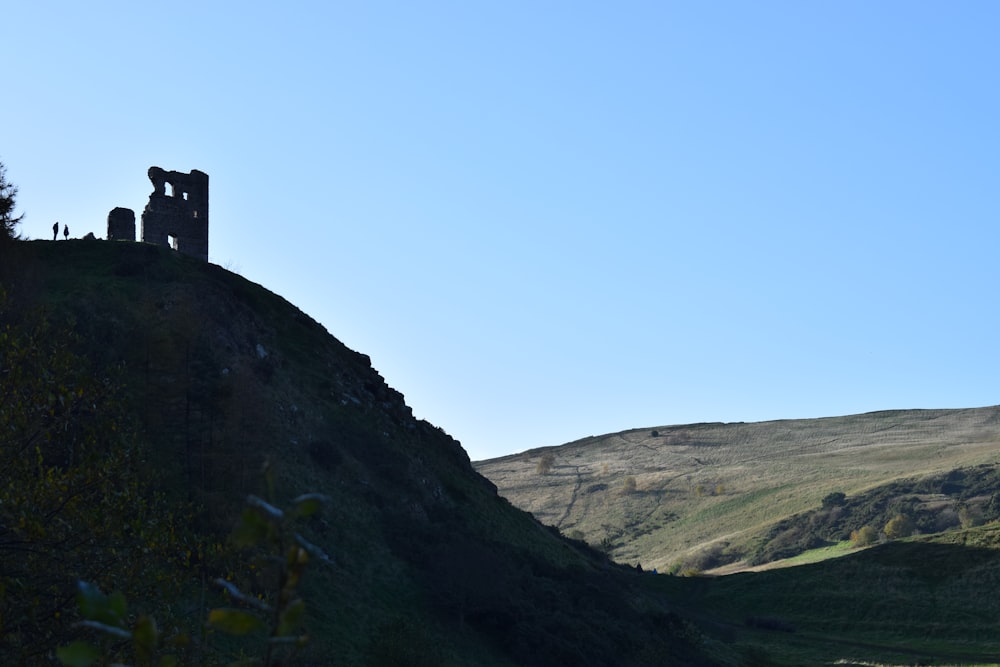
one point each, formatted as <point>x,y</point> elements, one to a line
<point>924,600</point>
<point>701,495</point>
<point>429,565</point>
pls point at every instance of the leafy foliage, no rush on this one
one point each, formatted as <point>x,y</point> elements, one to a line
<point>835,499</point>
<point>864,536</point>
<point>898,526</point>
<point>75,500</point>
<point>285,553</point>
<point>108,616</point>
<point>262,524</point>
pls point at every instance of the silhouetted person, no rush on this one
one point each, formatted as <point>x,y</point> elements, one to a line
<point>66,232</point>
<point>55,230</point>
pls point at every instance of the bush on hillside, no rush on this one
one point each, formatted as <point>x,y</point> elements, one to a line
<point>899,526</point>
<point>835,499</point>
<point>864,536</point>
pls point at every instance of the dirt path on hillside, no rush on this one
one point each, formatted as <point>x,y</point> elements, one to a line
<point>572,498</point>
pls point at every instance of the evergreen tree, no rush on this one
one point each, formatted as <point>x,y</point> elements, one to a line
<point>8,194</point>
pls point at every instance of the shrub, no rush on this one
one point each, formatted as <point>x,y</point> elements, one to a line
<point>970,517</point>
<point>629,485</point>
<point>835,499</point>
<point>545,463</point>
<point>712,556</point>
<point>864,536</point>
<point>899,526</point>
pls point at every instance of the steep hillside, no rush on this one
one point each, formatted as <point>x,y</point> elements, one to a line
<point>428,565</point>
<point>702,494</point>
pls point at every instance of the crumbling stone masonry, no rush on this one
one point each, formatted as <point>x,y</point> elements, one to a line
<point>121,224</point>
<point>178,218</point>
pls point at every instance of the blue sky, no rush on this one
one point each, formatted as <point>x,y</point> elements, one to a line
<point>547,220</point>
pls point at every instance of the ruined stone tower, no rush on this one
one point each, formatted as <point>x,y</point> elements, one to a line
<point>121,224</point>
<point>177,216</point>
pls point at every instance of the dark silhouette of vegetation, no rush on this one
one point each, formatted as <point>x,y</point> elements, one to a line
<point>8,204</point>
<point>76,500</point>
<point>277,613</point>
<point>835,499</point>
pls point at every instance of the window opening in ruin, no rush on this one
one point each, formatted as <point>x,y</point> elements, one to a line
<point>172,240</point>
<point>184,195</point>
<point>172,192</point>
<point>194,214</point>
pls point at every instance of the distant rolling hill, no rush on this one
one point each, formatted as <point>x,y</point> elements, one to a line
<point>705,495</point>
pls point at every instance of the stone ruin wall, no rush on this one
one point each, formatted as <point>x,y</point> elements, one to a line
<point>176,215</point>
<point>121,224</point>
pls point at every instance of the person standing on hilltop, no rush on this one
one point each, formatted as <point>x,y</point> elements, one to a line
<point>65,231</point>
<point>55,230</point>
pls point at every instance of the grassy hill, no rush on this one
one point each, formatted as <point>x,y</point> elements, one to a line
<point>925,600</point>
<point>428,565</point>
<point>183,379</point>
<point>703,495</point>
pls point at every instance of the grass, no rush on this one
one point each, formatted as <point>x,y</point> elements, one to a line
<point>930,598</point>
<point>766,472</point>
<point>823,553</point>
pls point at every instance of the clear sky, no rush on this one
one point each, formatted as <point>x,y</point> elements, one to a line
<point>551,219</point>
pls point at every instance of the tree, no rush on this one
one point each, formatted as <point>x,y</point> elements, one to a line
<point>864,536</point>
<point>8,194</point>
<point>899,526</point>
<point>835,499</point>
<point>629,485</point>
<point>971,516</point>
<point>545,463</point>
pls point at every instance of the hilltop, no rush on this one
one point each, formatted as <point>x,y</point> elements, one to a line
<point>706,495</point>
<point>213,376</point>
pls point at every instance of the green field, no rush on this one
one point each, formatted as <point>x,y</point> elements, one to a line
<point>927,600</point>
